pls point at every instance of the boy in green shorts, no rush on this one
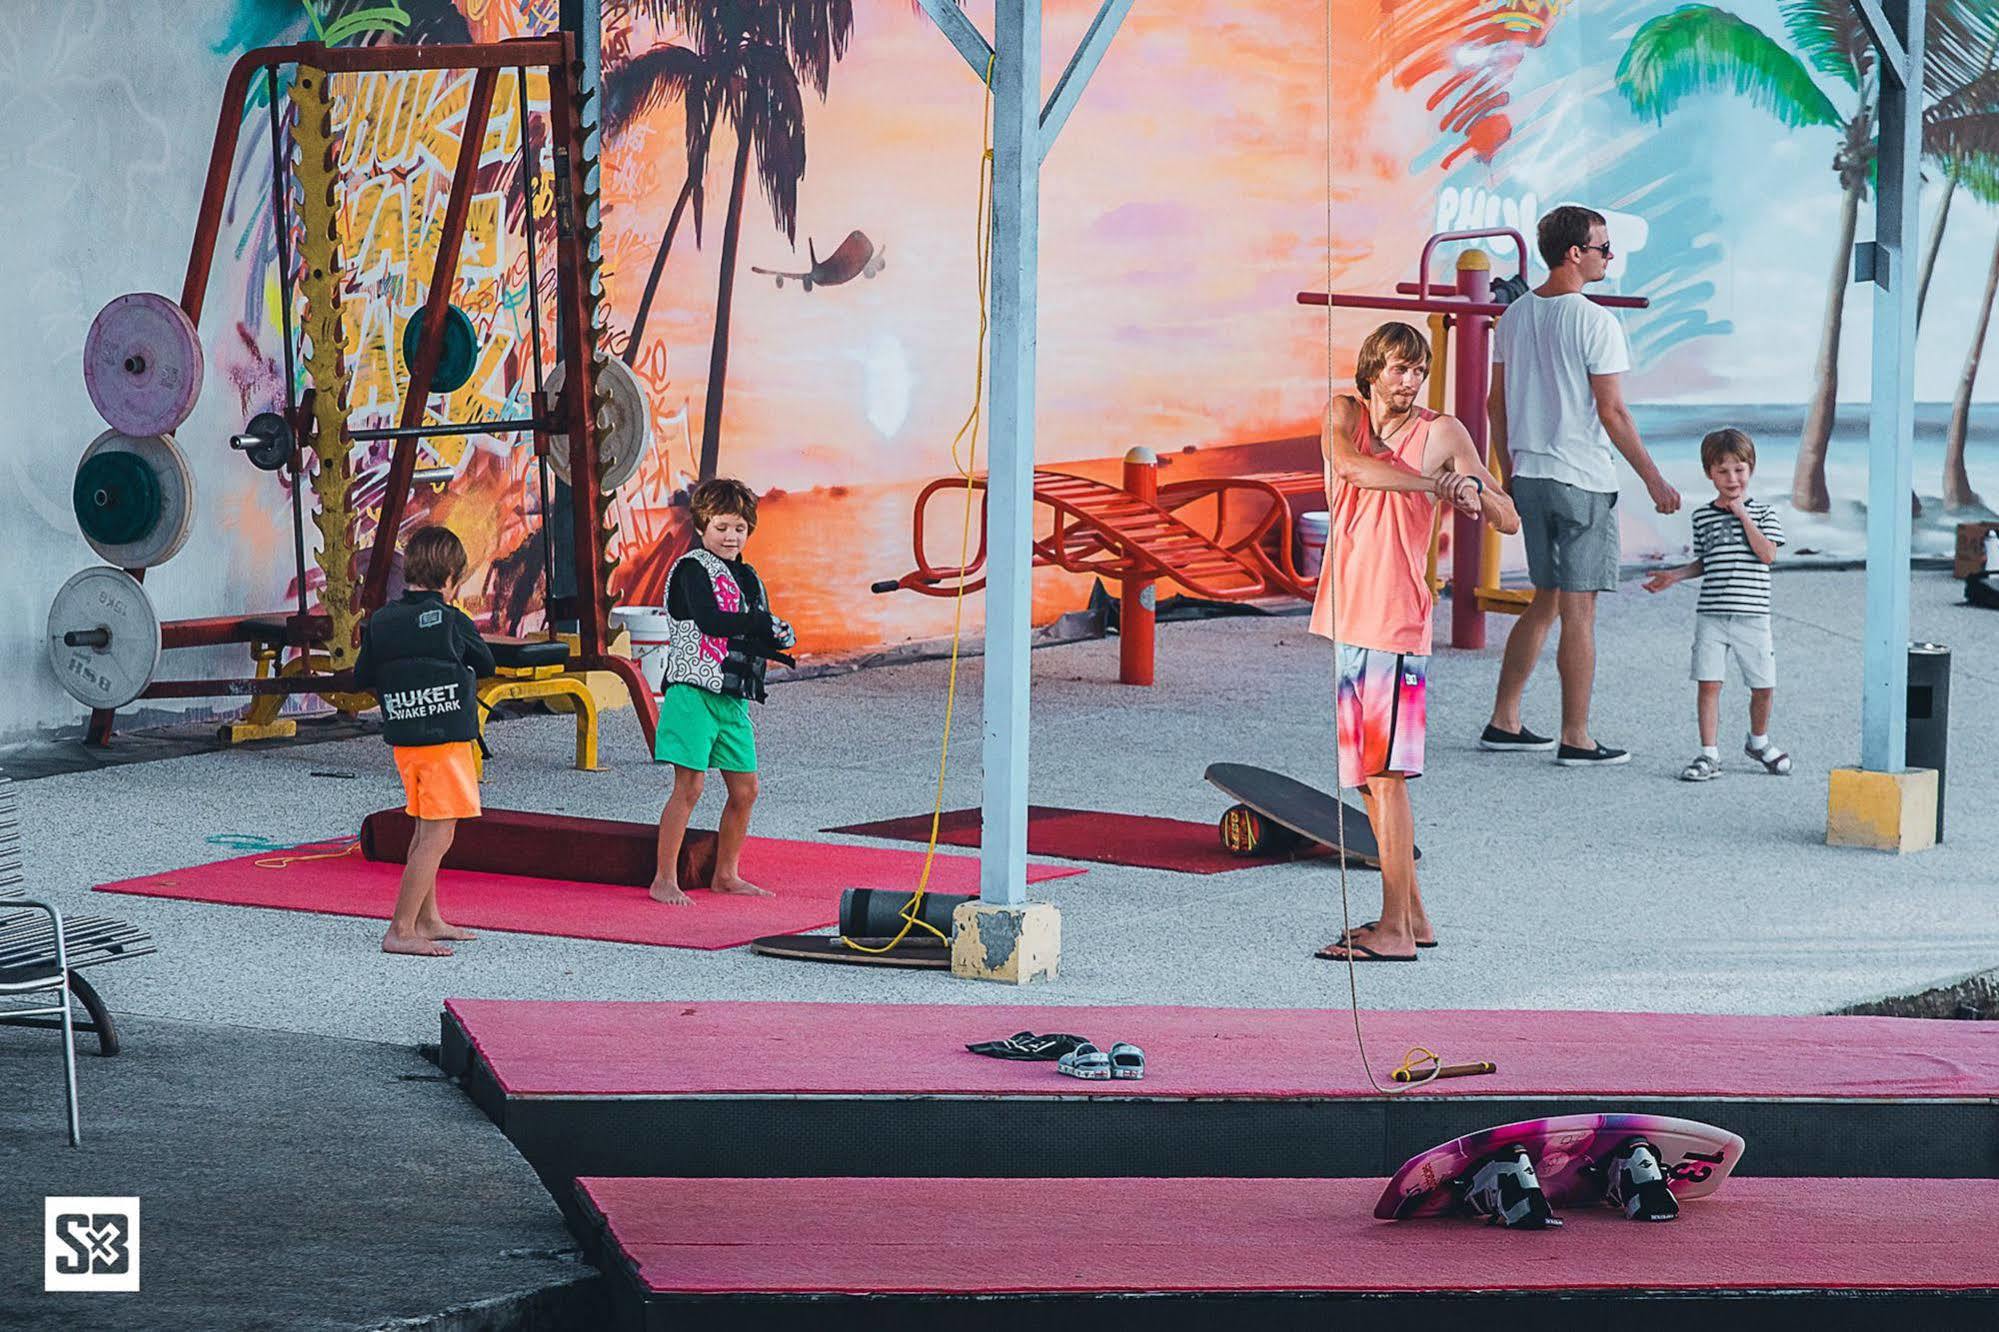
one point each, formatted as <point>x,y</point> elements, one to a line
<point>720,636</point>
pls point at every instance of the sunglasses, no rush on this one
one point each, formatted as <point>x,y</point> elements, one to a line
<point>1603,249</point>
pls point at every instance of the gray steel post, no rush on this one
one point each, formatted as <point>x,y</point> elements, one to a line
<point>1891,432</point>
<point>1010,470</point>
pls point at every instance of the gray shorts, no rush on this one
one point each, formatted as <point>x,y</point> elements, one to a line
<point>1746,638</point>
<point>1570,533</point>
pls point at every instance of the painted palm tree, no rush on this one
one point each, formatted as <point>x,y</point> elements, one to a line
<point>1701,48</point>
<point>667,73</point>
<point>1955,169</point>
<point>1970,123</point>
<point>746,63</point>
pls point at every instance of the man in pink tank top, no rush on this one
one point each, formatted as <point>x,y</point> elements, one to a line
<point>1388,463</point>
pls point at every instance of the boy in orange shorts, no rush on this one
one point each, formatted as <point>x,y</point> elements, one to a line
<point>423,657</point>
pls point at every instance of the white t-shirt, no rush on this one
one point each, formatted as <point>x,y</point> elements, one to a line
<point>1550,346</point>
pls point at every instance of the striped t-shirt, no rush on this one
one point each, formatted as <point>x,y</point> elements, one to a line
<point>1733,580</point>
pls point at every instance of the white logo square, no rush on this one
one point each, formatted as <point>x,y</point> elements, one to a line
<point>90,1244</point>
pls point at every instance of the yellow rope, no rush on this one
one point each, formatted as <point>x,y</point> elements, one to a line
<point>968,434</point>
<point>347,848</point>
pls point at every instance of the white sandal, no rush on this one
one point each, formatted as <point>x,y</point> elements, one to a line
<point>1702,769</point>
<point>1085,1061</point>
<point>1774,760</point>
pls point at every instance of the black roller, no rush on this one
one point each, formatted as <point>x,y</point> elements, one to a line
<point>876,913</point>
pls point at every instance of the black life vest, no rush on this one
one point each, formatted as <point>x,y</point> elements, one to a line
<point>417,656</point>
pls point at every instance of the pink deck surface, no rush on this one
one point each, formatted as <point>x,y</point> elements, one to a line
<point>539,1047</point>
<point>806,877</point>
<point>964,1236</point>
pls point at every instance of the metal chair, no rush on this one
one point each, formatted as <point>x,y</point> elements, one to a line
<point>31,979</point>
<point>35,975</point>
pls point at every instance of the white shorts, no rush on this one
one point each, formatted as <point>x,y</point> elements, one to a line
<point>1743,637</point>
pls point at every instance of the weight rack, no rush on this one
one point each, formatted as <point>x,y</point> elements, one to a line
<point>317,418</point>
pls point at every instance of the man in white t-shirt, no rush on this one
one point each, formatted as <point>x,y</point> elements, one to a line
<point>1559,422</point>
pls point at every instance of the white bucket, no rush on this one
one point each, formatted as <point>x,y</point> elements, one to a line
<point>648,627</point>
<point>1311,534</point>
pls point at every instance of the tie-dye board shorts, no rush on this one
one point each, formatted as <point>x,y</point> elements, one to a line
<point>1381,713</point>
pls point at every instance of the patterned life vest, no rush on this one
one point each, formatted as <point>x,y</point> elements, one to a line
<point>733,667</point>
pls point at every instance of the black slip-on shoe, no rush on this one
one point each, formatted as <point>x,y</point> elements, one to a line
<point>1603,756</point>
<point>1523,739</point>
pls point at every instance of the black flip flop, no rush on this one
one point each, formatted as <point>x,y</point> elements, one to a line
<point>1025,1045</point>
<point>1374,923</point>
<point>1359,952</point>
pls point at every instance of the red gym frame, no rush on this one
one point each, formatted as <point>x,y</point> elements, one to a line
<point>555,54</point>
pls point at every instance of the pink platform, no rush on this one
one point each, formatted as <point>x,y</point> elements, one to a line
<point>555,1048</point>
<point>962,1236</point>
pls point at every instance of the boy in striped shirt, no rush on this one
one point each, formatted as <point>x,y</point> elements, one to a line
<point>1735,542</point>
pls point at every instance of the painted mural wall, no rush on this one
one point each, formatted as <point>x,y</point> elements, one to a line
<point>1185,205</point>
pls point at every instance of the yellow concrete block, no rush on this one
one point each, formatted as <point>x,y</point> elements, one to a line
<point>1010,944</point>
<point>1882,811</point>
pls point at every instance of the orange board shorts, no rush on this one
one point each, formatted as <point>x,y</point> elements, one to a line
<point>442,781</point>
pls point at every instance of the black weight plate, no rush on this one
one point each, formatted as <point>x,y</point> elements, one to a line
<point>116,498</point>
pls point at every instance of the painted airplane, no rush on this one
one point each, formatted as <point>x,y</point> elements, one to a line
<point>856,257</point>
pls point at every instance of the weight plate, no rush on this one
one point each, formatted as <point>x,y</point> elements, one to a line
<point>118,662</point>
<point>101,518</point>
<point>142,364</point>
<point>116,498</point>
<point>624,427</point>
<point>457,358</point>
<point>273,450</point>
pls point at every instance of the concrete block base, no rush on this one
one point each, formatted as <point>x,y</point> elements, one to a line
<point>1882,811</point>
<point>1010,944</point>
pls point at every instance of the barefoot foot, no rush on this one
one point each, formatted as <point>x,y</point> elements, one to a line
<point>444,930</point>
<point>412,945</point>
<point>670,894</point>
<point>1370,943</point>
<point>1425,936</point>
<point>737,886</point>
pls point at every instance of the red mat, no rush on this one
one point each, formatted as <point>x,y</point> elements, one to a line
<point>1081,834</point>
<point>806,876</point>
<point>538,1047</point>
<point>919,1237</point>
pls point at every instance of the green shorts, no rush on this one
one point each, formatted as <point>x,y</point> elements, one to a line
<point>700,730</point>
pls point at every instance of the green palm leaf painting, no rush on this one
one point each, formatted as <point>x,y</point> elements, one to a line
<point>1700,49</point>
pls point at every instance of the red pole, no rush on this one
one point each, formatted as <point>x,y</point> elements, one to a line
<point>1474,358</point>
<point>1138,605</point>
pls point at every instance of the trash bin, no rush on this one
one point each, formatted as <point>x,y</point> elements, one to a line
<point>1312,531</point>
<point>648,626</point>
<point>1929,714</point>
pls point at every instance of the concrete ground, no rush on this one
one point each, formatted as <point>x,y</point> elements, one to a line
<point>1618,889</point>
<point>269,1105</point>
<point>297,1182</point>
